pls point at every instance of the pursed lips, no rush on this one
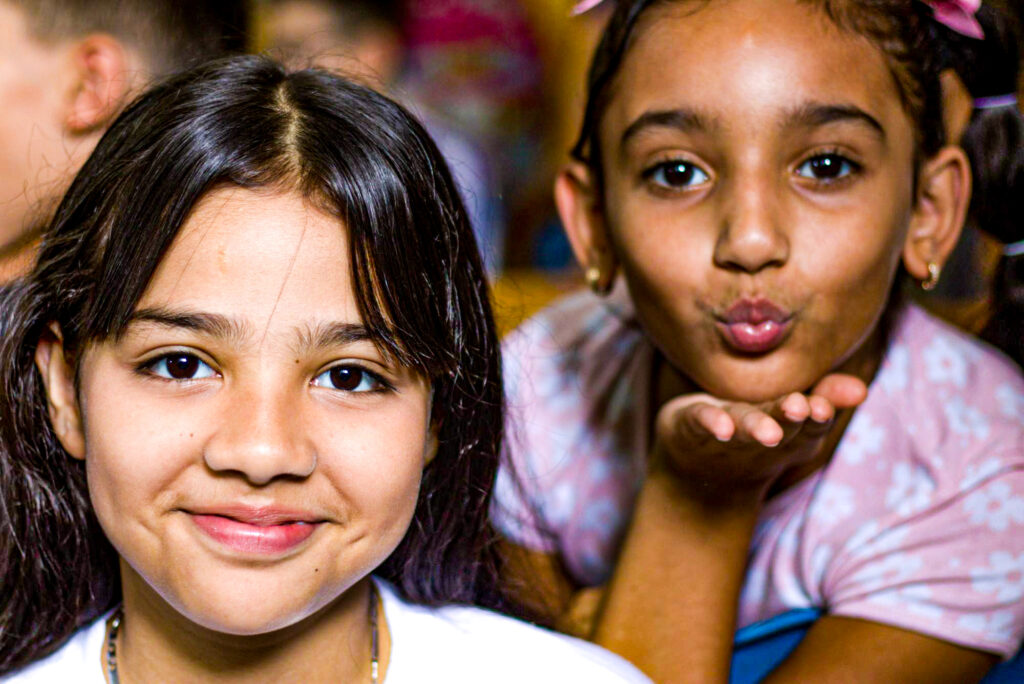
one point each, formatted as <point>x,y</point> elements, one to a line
<point>754,325</point>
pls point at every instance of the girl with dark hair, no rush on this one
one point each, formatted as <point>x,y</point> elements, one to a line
<point>751,427</point>
<point>254,364</point>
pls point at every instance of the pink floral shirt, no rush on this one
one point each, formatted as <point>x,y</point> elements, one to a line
<point>917,522</point>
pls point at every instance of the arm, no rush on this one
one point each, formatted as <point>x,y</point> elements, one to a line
<point>671,605</point>
<point>840,649</point>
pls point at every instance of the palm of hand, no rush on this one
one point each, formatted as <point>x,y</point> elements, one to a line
<point>727,452</point>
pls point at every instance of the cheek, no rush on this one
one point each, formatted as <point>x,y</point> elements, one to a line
<point>376,465</point>
<point>665,254</point>
<point>135,449</point>
<point>847,262</point>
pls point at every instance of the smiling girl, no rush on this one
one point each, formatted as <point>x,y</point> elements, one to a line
<point>254,364</point>
<point>763,174</point>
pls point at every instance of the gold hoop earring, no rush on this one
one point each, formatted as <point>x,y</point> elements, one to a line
<point>934,271</point>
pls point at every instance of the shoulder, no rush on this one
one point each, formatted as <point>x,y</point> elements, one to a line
<point>78,660</point>
<point>944,414</point>
<point>927,353</point>
<point>954,397</point>
<point>572,355</point>
<point>467,644</point>
<point>575,326</point>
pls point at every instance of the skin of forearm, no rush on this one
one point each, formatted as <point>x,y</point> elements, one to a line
<point>680,573</point>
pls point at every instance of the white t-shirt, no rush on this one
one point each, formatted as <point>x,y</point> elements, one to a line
<point>451,644</point>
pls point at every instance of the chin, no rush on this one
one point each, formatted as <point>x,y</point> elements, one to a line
<point>758,380</point>
<point>245,614</point>
<point>248,601</point>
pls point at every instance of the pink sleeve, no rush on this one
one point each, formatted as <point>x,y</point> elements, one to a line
<point>954,571</point>
<point>515,510</point>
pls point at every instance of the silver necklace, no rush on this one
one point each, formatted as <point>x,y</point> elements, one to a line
<point>114,625</point>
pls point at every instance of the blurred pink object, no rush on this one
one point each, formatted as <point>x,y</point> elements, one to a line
<point>957,15</point>
<point>585,5</point>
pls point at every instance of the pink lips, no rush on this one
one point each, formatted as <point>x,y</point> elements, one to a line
<point>754,326</point>
<point>256,531</point>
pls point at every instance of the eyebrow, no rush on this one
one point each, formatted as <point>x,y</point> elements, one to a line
<point>816,114</point>
<point>685,120</point>
<point>333,335</point>
<point>807,115</point>
<point>228,328</point>
<point>214,325</point>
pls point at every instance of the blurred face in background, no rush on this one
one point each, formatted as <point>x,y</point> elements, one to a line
<point>308,32</point>
<point>33,162</point>
<point>58,95</point>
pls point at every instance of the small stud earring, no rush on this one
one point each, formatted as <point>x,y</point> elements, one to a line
<point>593,277</point>
<point>934,271</point>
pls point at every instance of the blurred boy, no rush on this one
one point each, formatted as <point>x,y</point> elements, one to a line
<point>363,39</point>
<point>67,67</point>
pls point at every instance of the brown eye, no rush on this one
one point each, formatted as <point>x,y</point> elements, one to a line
<point>181,366</point>
<point>349,378</point>
<point>346,378</point>
<point>676,174</point>
<point>827,167</point>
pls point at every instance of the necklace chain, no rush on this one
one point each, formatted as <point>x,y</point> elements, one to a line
<point>114,626</point>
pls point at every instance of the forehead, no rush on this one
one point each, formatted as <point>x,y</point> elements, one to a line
<point>264,256</point>
<point>748,61</point>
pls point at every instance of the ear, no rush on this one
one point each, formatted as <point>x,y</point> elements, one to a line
<point>101,83</point>
<point>433,430</point>
<point>943,194</point>
<point>577,197</point>
<point>430,448</point>
<point>957,106</point>
<point>58,378</point>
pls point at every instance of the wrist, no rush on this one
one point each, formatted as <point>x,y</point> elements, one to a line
<point>700,503</point>
<point>702,494</point>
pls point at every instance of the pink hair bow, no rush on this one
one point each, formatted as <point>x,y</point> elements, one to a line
<point>958,15</point>
<point>584,6</point>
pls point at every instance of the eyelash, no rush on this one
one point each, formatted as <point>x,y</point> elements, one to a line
<point>150,369</point>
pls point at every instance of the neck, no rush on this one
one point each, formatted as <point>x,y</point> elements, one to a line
<point>157,643</point>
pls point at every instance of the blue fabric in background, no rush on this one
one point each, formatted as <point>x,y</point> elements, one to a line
<point>760,648</point>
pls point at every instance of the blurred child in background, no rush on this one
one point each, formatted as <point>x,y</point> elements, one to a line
<point>66,68</point>
<point>363,39</point>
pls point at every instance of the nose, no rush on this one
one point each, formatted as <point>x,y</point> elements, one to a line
<point>751,236</point>
<point>260,437</point>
